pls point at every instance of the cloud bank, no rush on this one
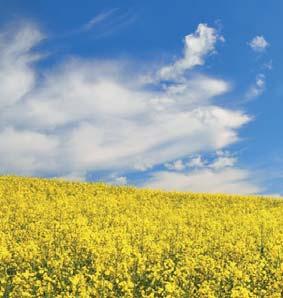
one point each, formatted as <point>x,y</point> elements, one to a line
<point>228,180</point>
<point>87,115</point>
<point>217,175</point>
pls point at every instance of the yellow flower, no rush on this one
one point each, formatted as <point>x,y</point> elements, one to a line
<point>62,239</point>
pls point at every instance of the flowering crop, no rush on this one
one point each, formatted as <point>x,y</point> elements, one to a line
<point>63,239</point>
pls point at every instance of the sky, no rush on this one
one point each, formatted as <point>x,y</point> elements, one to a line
<point>182,96</point>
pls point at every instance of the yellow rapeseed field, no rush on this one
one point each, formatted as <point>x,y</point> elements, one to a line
<point>63,239</point>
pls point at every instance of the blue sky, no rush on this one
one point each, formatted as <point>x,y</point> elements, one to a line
<point>185,96</point>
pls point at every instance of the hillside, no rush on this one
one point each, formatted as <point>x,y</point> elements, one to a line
<point>63,239</point>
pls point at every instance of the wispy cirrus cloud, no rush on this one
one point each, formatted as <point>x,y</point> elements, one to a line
<point>17,76</point>
<point>98,19</point>
<point>108,22</point>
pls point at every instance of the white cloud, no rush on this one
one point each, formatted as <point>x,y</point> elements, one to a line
<point>101,17</point>
<point>115,179</point>
<point>142,165</point>
<point>17,76</point>
<point>258,44</point>
<point>273,195</point>
<point>226,180</point>
<point>219,175</point>
<point>197,46</point>
<point>268,65</point>
<point>88,115</point>
<point>177,165</point>
<point>196,162</point>
<point>27,152</point>
<point>107,22</point>
<point>257,88</point>
<point>74,176</point>
<point>223,160</point>
<point>122,180</point>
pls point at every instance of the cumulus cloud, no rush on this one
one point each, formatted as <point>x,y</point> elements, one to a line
<point>197,46</point>
<point>258,44</point>
<point>89,115</point>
